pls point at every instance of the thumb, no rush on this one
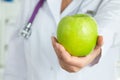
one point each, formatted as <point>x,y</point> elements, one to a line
<point>54,41</point>
<point>99,42</point>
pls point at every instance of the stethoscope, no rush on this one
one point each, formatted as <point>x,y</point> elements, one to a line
<point>26,31</point>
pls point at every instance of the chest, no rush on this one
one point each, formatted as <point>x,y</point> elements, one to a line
<point>76,6</point>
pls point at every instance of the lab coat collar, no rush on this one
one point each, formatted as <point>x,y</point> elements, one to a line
<point>55,9</point>
<point>55,6</point>
<point>74,4</point>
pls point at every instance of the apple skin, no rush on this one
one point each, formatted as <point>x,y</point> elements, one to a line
<point>78,34</point>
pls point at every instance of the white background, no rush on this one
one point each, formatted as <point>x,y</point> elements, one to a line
<point>8,15</point>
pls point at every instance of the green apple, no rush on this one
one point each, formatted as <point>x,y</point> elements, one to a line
<point>78,34</point>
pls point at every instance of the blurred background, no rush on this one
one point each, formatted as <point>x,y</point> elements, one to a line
<point>9,9</point>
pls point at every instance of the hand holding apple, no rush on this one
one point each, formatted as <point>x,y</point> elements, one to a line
<point>77,43</point>
<point>73,63</point>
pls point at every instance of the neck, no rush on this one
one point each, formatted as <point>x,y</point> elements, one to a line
<point>64,4</point>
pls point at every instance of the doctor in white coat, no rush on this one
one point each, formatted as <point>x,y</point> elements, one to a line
<point>40,58</point>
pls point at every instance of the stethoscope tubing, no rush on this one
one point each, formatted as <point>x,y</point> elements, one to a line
<point>26,31</point>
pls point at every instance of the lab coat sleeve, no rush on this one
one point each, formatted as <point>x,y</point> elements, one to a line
<point>15,68</point>
<point>108,18</point>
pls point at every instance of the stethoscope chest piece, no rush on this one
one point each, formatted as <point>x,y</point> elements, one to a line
<point>26,31</point>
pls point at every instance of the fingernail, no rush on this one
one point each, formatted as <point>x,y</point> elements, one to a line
<point>53,38</point>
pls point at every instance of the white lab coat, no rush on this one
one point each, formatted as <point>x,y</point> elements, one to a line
<point>35,59</point>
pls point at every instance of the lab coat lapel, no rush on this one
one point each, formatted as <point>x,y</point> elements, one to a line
<point>74,4</point>
<point>55,6</point>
